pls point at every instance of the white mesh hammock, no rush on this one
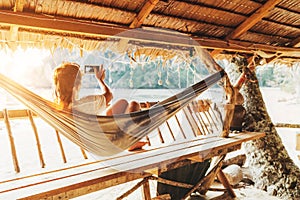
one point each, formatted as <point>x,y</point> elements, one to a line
<point>107,135</point>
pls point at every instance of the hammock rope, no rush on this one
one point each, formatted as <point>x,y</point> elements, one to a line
<point>106,135</point>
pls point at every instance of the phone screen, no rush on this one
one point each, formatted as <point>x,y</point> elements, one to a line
<point>90,69</point>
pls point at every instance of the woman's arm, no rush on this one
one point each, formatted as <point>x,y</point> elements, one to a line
<point>100,75</point>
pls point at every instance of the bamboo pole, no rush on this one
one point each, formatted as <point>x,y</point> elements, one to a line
<point>170,182</point>
<point>160,135</point>
<point>148,140</point>
<point>286,125</point>
<point>194,120</point>
<point>203,123</point>
<point>36,138</point>
<point>200,118</point>
<point>187,117</point>
<point>214,122</point>
<point>11,141</point>
<point>83,153</point>
<point>61,147</point>
<point>218,118</point>
<point>180,127</point>
<point>171,132</point>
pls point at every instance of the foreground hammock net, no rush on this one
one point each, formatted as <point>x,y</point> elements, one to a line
<point>106,135</point>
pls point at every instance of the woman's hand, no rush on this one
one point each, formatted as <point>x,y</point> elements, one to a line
<point>100,73</point>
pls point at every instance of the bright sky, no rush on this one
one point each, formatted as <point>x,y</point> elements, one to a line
<point>19,63</point>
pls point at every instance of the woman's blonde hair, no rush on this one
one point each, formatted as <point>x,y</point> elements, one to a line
<point>67,80</point>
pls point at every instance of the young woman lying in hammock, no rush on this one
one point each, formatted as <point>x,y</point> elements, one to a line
<point>67,81</point>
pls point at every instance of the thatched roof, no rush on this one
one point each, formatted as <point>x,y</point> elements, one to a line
<point>270,28</point>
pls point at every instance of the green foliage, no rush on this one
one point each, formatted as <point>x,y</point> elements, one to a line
<point>265,76</point>
<point>279,76</point>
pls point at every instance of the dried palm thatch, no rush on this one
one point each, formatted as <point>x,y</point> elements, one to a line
<point>222,26</point>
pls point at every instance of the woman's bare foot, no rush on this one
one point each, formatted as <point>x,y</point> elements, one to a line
<point>138,145</point>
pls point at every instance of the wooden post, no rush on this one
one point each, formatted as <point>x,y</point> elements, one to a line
<point>180,127</point>
<point>229,107</point>
<point>36,138</point>
<point>211,118</point>
<point>135,187</point>
<point>190,122</point>
<point>146,189</point>
<point>61,147</point>
<point>160,135</point>
<point>171,132</point>
<point>207,181</point>
<point>11,141</point>
<point>222,178</point>
<point>83,153</point>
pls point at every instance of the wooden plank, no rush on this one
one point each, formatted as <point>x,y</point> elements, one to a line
<point>70,180</point>
<point>204,155</point>
<point>110,162</point>
<point>253,19</point>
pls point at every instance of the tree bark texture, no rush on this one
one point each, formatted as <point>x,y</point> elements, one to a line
<point>272,168</point>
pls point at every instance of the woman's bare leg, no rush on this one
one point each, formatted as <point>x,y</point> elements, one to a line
<point>122,106</point>
<point>132,107</point>
<point>118,107</point>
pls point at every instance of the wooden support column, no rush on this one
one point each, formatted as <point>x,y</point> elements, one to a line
<point>146,189</point>
<point>222,178</point>
<point>42,162</point>
<point>229,107</point>
<point>11,141</point>
<point>61,147</point>
<point>204,184</point>
<point>83,153</point>
<point>135,187</point>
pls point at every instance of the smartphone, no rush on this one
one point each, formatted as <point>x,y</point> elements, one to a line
<point>90,69</point>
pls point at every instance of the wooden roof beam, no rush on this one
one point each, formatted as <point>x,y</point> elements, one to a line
<point>249,22</point>
<point>144,12</point>
<point>98,31</point>
<point>253,19</point>
<point>296,42</point>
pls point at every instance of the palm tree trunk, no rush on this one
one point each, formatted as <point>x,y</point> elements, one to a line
<point>271,166</point>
